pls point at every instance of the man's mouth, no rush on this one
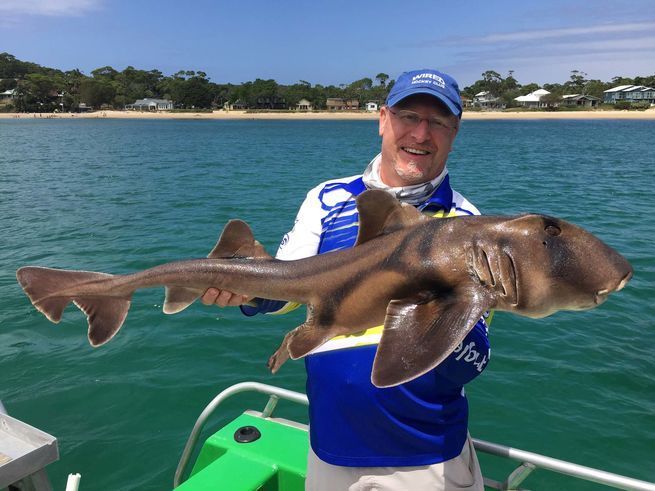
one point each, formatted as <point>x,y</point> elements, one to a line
<point>415,151</point>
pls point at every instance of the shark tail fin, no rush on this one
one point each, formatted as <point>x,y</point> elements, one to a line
<point>51,290</point>
<point>236,241</point>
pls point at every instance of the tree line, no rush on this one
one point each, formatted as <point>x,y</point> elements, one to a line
<point>43,89</point>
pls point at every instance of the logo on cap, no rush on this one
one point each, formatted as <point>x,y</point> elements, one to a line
<point>429,78</point>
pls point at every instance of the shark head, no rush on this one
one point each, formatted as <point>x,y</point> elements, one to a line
<point>548,264</point>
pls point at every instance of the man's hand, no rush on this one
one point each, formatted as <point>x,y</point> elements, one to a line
<point>223,298</point>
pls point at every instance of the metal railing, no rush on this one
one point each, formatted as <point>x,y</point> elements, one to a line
<point>529,461</point>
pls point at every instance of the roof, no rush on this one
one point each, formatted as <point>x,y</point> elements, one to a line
<point>534,96</point>
<point>148,100</point>
<point>572,97</point>
<point>629,88</point>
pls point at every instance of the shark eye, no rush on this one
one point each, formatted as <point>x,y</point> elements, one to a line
<point>553,230</point>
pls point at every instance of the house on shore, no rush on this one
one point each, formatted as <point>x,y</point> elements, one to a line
<point>7,96</point>
<point>580,100</point>
<point>304,105</point>
<point>149,104</point>
<point>486,100</point>
<point>339,104</point>
<point>372,106</point>
<point>629,93</point>
<point>533,99</point>
<point>237,105</point>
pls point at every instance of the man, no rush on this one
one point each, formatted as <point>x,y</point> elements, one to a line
<point>413,436</point>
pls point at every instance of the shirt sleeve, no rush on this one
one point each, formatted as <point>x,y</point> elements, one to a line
<point>304,238</point>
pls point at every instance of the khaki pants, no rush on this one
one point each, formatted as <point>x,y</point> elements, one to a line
<point>460,473</point>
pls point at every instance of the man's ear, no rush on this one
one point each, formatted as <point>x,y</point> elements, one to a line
<point>384,118</point>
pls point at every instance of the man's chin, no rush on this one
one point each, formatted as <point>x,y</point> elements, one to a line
<point>411,173</point>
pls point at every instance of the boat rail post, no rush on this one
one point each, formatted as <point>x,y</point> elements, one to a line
<point>518,475</point>
<point>270,406</point>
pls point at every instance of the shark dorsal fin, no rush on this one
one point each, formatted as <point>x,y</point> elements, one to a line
<point>381,213</point>
<point>237,240</point>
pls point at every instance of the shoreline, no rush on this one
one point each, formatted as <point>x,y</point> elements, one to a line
<point>648,114</point>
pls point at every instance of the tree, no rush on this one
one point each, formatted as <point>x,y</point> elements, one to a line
<point>72,81</point>
<point>621,81</point>
<point>38,93</point>
<point>382,78</point>
<point>95,93</point>
<point>596,88</point>
<point>509,83</point>
<point>577,83</point>
<point>551,99</point>
<point>106,72</point>
<point>492,82</point>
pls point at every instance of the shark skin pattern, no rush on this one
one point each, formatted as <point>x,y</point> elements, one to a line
<point>427,281</point>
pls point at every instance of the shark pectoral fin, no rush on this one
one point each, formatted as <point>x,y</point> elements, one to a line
<point>419,333</point>
<point>302,340</point>
<point>105,315</point>
<point>298,343</point>
<point>237,240</point>
<point>179,298</point>
<point>381,213</point>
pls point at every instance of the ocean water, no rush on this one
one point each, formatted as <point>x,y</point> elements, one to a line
<point>120,196</point>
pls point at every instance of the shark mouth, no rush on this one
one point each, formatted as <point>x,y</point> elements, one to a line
<point>601,295</point>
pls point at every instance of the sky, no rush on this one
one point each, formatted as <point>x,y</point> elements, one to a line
<point>336,42</point>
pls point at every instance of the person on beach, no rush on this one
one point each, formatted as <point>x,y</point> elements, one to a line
<point>415,435</point>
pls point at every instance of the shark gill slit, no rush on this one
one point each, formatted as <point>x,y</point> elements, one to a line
<point>487,265</point>
<point>513,278</point>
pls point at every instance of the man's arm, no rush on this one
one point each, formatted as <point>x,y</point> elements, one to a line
<point>302,241</point>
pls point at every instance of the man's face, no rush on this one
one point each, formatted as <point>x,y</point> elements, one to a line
<point>415,153</point>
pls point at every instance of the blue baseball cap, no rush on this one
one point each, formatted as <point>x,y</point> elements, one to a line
<point>427,81</point>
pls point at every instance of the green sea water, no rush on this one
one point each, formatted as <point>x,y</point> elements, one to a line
<point>120,196</point>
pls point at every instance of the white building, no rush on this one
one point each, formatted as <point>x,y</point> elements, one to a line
<point>372,106</point>
<point>533,99</point>
<point>486,99</point>
<point>151,105</point>
<point>8,95</point>
<point>304,105</point>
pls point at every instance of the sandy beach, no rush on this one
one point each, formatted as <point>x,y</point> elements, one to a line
<point>324,115</point>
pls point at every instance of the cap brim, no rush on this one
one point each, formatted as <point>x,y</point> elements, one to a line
<point>452,107</point>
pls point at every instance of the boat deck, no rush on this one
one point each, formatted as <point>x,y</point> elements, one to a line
<point>274,460</point>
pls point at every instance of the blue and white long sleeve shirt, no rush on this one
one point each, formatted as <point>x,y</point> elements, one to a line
<point>352,422</point>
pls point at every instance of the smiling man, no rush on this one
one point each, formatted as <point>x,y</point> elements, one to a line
<point>415,435</point>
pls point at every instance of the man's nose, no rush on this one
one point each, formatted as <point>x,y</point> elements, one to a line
<point>422,130</point>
